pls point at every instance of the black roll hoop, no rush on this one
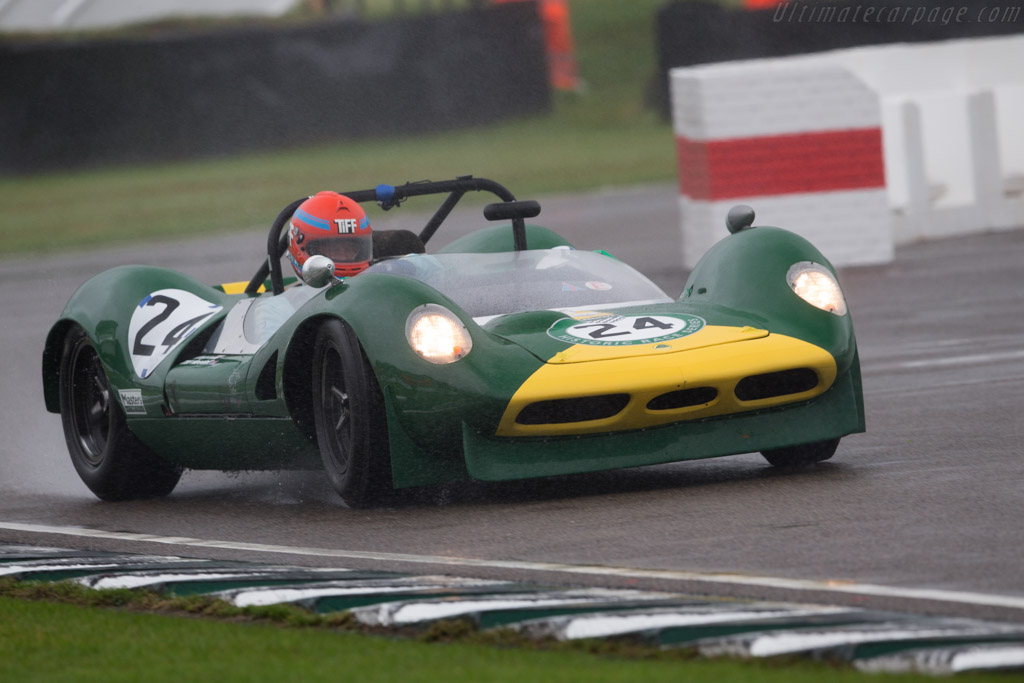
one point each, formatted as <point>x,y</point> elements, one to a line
<point>390,196</point>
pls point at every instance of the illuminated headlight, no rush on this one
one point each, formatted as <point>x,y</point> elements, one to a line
<point>436,334</point>
<point>816,285</point>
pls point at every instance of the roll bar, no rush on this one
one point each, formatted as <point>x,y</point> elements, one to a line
<point>390,196</point>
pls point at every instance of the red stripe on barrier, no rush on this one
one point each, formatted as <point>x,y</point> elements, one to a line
<point>781,164</point>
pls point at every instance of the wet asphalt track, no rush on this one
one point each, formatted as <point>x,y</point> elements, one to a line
<point>930,499</point>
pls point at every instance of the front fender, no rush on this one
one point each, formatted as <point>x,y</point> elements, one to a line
<point>431,400</point>
<point>426,403</point>
<point>747,272</point>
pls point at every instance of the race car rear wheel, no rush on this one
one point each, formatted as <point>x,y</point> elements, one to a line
<point>111,461</point>
<point>348,410</point>
<point>805,454</point>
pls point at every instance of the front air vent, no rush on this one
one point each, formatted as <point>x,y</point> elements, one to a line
<point>566,410</point>
<point>774,384</point>
<point>684,398</point>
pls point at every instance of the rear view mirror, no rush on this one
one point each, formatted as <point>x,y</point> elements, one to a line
<point>318,271</point>
<point>503,211</point>
<point>740,217</point>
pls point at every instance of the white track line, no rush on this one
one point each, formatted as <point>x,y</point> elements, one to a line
<point>962,597</point>
<point>944,362</point>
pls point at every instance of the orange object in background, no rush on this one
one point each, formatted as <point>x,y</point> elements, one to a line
<point>563,71</point>
<point>760,4</point>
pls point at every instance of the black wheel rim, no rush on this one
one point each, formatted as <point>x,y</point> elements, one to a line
<point>337,410</point>
<point>90,405</point>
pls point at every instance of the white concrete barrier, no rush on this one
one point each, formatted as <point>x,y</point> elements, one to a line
<point>949,122</point>
<point>802,144</point>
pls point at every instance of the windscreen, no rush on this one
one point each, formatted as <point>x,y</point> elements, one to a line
<point>513,282</point>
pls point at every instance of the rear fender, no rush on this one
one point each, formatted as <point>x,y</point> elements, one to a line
<point>103,308</point>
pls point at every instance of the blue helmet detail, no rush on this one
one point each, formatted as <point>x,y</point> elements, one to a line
<point>312,220</point>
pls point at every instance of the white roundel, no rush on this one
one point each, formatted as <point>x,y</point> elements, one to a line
<point>162,321</point>
<point>622,330</point>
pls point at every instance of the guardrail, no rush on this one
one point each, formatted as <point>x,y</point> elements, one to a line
<point>859,150</point>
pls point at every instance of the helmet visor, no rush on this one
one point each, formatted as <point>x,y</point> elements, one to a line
<point>347,249</point>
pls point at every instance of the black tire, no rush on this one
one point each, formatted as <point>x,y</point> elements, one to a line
<point>348,410</point>
<point>802,455</point>
<point>111,461</point>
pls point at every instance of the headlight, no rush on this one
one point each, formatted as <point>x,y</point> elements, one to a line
<point>816,285</point>
<point>436,334</point>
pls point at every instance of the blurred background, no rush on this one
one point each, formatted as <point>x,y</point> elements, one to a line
<point>188,123</point>
<point>122,120</point>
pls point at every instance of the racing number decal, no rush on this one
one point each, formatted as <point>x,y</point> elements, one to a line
<point>160,322</point>
<point>624,330</point>
<point>603,330</point>
<point>138,347</point>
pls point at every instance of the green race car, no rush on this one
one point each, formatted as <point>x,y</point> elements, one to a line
<point>506,355</point>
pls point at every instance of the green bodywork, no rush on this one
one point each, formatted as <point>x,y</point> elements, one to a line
<point>252,410</point>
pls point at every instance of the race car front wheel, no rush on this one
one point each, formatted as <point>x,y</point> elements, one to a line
<point>348,410</point>
<point>111,461</point>
<point>805,454</point>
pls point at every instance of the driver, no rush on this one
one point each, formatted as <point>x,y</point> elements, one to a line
<point>331,225</point>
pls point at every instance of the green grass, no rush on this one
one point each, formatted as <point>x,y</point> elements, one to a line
<point>88,208</point>
<point>604,136</point>
<point>55,641</point>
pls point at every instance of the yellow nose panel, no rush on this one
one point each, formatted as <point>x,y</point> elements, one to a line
<point>648,372</point>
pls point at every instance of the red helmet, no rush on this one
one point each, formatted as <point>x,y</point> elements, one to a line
<point>333,225</point>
